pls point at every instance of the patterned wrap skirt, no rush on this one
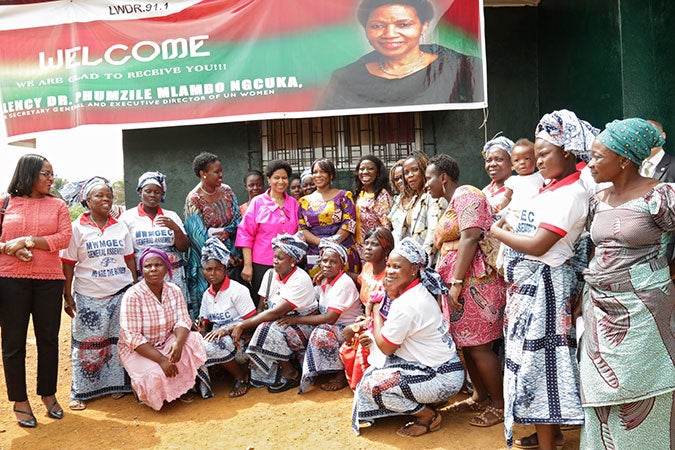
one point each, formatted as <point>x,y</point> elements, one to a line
<point>403,388</point>
<point>272,343</point>
<point>218,352</point>
<point>322,354</point>
<point>95,330</point>
<point>541,376</point>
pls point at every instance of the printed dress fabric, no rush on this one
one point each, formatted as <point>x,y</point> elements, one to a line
<point>200,215</point>
<point>494,196</point>
<point>483,294</point>
<point>324,218</point>
<point>421,218</point>
<point>145,234</point>
<point>146,320</point>
<point>371,212</point>
<point>397,216</point>
<point>628,346</point>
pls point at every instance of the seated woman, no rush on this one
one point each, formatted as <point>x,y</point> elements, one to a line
<point>156,346</point>
<point>224,303</point>
<point>357,353</point>
<point>277,351</point>
<point>422,367</point>
<point>95,284</point>
<point>338,306</point>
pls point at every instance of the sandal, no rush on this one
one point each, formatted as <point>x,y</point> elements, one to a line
<point>30,423</point>
<point>187,397</point>
<point>239,389</point>
<point>531,442</point>
<point>433,425</point>
<point>76,405</point>
<point>488,418</point>
<point>117,395</point>
<point>466,405</point>
<point>335,384</point>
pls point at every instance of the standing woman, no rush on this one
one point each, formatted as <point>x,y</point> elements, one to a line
<point>373,199</point>
<point>99,267</point>
<point>272,213</point>
<point>541,374</point>
<point>35,226</point>
<point>211,209</point>
<point>628,349</point>
<point>152,226</point>
<point>422,366</point>
<point>474,307</point>
<point>329,212</point>
<point>497,155</point>
<point>306,182</point>
<point>156,346</point>
<point>254,183</point>
<point>402,199</point>
<point>423,211</point>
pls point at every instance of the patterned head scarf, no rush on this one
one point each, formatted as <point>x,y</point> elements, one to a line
<point>332,245</point>
<point>214,248</point>
<point>292,244</point>
<point>150,252</point>
<point>307,173</point>
<point>564,129</point>
<point>156,178</point>
<point>631,138</point>
<point>413,252</point>
<point>384,237</point>
<point>502,142</point>
<point>77,191</point>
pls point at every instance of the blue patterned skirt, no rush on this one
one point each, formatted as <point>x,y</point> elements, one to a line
<point>322,355</point>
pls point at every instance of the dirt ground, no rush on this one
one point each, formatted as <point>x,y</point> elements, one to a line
<point>259,420</point>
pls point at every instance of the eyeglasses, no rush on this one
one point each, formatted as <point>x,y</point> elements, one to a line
<point>48,174</point>
<point>397,179</point>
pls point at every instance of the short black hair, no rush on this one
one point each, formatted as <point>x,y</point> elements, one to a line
<point>27,172</point>
<point>423,8</point>
<point>446,164</point>
<point>202,161</point>
<point>257,173</point>
<point>327,166</point>
<point>277,164</point>
<point>381,180</point>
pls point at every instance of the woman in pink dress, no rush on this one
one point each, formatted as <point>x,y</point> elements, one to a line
<point>474,307</point>
<point>156,346</point>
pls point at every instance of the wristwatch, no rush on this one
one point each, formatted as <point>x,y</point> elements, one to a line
<point>454,281</point>
<point>29,242</point>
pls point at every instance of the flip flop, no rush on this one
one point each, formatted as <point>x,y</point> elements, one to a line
<point>429,427</point>
<point>117,395</point>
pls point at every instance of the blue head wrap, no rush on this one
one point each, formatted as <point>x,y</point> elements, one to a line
<point>330,244</point>
<point>77,191</point>
<point>502,142</point>
<point>631,138</point>
<point>292,244</point>
<point>214,248</point>
<point>305,173</point>
<point>564,129</point>
<point>413,252</point>
<point>156,178</point>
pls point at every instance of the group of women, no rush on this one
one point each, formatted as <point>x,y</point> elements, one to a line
<point>382,293</point>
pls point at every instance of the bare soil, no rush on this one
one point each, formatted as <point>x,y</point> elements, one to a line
<point>258,420</point>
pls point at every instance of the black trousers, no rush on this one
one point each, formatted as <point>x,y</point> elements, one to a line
<point>21,298</point>
<point>259,271</point>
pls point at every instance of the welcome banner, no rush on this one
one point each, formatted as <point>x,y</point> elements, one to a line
<point>74,62</point>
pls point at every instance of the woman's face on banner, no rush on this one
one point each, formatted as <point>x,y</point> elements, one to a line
<point>394,31</point>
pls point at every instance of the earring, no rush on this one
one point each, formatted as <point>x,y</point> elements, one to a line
<point>204,177</point>
<point>443,189</point>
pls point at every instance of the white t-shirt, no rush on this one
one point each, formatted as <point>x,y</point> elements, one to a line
<point>145,234</point>
<point>230,305</point>
<point>100,269</point>
<point>297,289</point>
<point>524,187</point>
<point>415,324</point>
<point>342,298</point>
<point>562,209</point>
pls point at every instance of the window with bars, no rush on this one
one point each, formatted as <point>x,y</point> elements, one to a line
<point>344,140</point>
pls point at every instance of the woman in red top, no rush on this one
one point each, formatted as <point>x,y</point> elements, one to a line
<point>35,227</point>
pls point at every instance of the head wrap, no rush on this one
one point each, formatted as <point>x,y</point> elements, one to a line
<point>330,244</point>
<point>214,248</point>
<point>77,191</point>
<point>386,244</point>
<point>564,129</point>
<point>631,138</point>
<point>293,245</point>
<point>502,142</point>
<point>305,173</point>
<point>157,178</point>
<point>413,252</point>
<point>150,252</point>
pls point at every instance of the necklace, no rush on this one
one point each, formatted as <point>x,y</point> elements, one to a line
<point>100,228</point>
<point>201,188</point>
<point>407,72</point>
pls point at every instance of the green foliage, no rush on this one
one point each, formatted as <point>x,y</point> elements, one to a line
<point>118,192</point>
<point>75,211</point>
